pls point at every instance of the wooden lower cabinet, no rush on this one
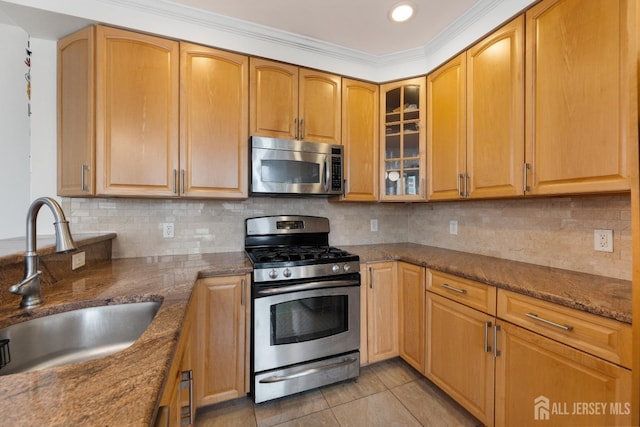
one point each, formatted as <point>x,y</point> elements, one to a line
<point>541,379</point>
<point>221,346</point>
<point>176,399</point>
<point>459,357</point>
<point>382,311</point>
<point>411,293</point>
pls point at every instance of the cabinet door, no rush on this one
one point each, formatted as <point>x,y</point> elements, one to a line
<point>274,99</point>
<point>76,157</point>
<point>495,114</point>
<point>580,112</point>
<point>319,103</point>
<point>221,330</point>
<point>137,79</point>
<point>364,318</point>
<point>360,140</point>
<point>459,356</point>
<point>446,130</point>
<point>382,311</point>
<point>214,110</point>
<point>541,379</point>
<point>411,288</point>
<point>403,106</point>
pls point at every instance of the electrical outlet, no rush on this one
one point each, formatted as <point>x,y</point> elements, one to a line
<point>603,240</point>
<point>168,231</point>
<point>77,260</point>
<point>453,227</point>
<point>374,225</point>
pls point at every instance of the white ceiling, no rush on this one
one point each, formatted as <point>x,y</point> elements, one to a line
<point>356,24</point>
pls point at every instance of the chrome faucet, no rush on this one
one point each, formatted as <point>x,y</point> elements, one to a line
<point>29,287</point>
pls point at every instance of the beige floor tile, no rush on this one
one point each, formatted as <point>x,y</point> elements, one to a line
<point>366,384</point>
<point>235,413</point>
<point>431,406</point>
<point>395,372</point>
<point>290,408</point>
<point>317,419</point>
<point>381,409</point>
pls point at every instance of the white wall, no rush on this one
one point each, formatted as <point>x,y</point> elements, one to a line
<point>14,133</point>
<point>27,144</point>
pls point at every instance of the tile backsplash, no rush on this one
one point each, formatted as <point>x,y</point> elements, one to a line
<point>556,232</point>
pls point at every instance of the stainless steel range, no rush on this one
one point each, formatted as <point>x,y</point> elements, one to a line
<point>305,306</point>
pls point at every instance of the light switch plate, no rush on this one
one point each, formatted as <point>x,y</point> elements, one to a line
<point>77,260</point>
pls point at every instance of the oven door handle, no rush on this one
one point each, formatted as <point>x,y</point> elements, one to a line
<point>311,371</point>
<point>308,286</point>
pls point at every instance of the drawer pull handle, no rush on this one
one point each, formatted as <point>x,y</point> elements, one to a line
<point>487,347</point>
<point>451,288</point>
<point>549,322</point>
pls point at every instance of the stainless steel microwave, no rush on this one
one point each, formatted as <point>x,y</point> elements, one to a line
<point>281,166</point>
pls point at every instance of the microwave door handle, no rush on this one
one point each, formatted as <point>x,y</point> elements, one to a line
<point>325,174</point>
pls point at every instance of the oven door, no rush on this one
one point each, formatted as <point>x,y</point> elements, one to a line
<point>304,325</point>
<point>295,167</point>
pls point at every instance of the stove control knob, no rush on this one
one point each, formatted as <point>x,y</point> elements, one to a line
<point>273,273</point>
<point>335,268</point>
<point>286,272</point>
<point>347,268</point>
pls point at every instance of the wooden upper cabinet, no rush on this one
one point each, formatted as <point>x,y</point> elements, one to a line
<point>446,130</point>
<point>475,126</point>
<point>360,117</point>
<point>581,115</point>
<point>294,103</point>
<point>320,106</point>
<point>213,122</point>
<point>76,157</point>
<point>137,79</point>
<point>495,113</point>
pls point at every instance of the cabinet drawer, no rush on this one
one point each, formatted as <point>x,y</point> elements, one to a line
<point>468,292</point>
<point>602,337</point>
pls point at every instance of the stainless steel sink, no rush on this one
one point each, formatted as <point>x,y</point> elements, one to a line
<point>75,336</point>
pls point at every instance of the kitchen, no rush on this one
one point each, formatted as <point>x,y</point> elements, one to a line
<point>556,232</point>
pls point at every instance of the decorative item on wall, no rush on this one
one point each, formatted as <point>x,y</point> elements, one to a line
<point>27,75</point>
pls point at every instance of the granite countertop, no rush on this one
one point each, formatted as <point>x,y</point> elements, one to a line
<point>124,388</point>
<point>599,295</point>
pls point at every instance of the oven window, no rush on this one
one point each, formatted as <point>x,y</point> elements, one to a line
<point>308,319</point>
<point>290,172</point>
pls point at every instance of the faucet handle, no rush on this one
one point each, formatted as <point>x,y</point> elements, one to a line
<point>29,288</point>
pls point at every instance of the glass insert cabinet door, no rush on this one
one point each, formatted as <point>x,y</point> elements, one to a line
<point>404,140</point>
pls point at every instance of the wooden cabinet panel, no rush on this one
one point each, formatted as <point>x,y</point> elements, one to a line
<point>274,99</point>
<point>446,130</point>
<point>214,98</point>
<point>221,350</point>
<point>495,114</point>
<point>137,89</point>
<point>320,106</point>
<point>534,373</point>
<point>364,309</point>
<point>411,290</point>
<point>468,292</point>
<point>382,311</point>
<point>596,335</point>
<point>360,115</point>
<point>458,355</point>
<point>76,141</point>
<point>581,114</point>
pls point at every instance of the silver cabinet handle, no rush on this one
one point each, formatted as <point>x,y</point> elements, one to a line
<point>242,291</point>
<point>466,181</point>
<point>295,125</point>
<point>187,377</point>
<point>174,187</point>
<point>278,378</point>
<point>182,174</point>
<point>496,352</point>
<point>460,178</point>
<point>301,128</point>
<point>527,166</point>
<point>371,277</point>
<point>83,169</point>
<point>548,322</point>
<point>454,289</point>
<point>487,347</point>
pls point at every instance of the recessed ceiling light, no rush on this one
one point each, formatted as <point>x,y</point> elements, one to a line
<point>402,12</point>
